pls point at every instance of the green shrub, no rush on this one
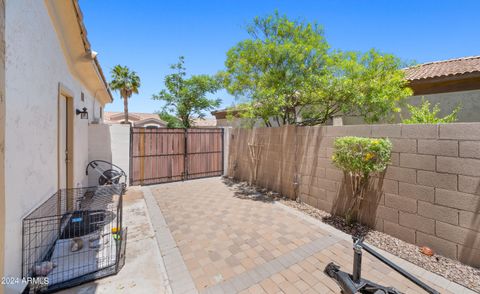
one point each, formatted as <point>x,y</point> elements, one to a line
<point>359,158</point>
<point>361,155</point>
<point>423,115</point>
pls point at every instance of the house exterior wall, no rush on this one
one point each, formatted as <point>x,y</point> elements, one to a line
<point>238,122</point>
<point>224,122</point>
<point>35,66</point>
<point>149,124</point>
<point>429,194</point>
<point>469,100</point>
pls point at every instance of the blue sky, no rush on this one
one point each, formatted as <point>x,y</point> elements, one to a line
<point>148,35</point>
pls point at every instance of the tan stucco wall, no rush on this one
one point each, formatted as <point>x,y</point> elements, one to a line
<point>470,101</point>
<point>2,139</point>
<point>110,143</point>
<point>35,65</point>
<point>242,123</point>
<point>223,122</point>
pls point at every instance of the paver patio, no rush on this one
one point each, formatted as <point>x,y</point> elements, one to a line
<point>224,242</point>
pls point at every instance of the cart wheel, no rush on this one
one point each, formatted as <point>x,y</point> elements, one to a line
<point>107,177</point>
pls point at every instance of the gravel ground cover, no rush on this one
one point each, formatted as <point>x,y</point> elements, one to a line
<point>446,267</point>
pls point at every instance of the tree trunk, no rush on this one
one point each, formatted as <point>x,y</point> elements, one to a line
<point>125,109</point>
<point>359,184</point>
<point>186,122</point>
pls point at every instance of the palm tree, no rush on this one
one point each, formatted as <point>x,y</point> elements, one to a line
<point>126,82</point>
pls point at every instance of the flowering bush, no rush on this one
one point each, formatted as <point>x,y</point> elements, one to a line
<point>359,157</point>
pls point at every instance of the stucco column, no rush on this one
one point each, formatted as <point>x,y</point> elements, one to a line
<point>2,139</point>
<point>226,148</point>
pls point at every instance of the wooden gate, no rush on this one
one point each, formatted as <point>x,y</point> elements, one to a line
<point>168,155</point>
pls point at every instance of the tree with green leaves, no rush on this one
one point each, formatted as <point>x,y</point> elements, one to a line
<point>186,98</point>
<point>171,120</point>
<point>288,75</point>
<point>270,69</point>
<point>422,114</point>
<point>369,85</point>
<point>126,82</point>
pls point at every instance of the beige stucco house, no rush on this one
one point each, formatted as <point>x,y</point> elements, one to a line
<point>151,120</point>
<point>207,122</point>
<point>136,119</point>
<point>48,71</point>
<point>449,83</point>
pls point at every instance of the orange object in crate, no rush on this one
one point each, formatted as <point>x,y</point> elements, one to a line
<point>426,250</point>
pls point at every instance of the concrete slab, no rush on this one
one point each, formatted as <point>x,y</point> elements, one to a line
<point>144,270</point>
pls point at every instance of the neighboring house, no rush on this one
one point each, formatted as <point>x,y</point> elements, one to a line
<point>449,83</point>
<point>151,120</point>
<point>232,118</point>
<point>205,123</point>
<point>136,119</point>
<point>48,71</point>
<point>228,118</point>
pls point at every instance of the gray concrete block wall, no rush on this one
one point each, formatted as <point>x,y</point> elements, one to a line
<point>429,194</point>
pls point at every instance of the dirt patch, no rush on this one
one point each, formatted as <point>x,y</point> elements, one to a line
<point>451,269</point>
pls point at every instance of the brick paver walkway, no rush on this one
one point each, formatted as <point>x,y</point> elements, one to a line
<point>232,244</point>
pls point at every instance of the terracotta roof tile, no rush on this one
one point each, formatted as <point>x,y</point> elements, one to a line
<point>452,67</point>
<point>116,117</point>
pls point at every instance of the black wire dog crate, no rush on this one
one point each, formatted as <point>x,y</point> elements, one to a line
<point>74,237</point>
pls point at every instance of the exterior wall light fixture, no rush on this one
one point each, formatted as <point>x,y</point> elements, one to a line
<point>83,113</point>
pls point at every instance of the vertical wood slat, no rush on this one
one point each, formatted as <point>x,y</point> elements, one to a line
<point>142,153</point>
<point>205,153</point>
<point>166,155</point>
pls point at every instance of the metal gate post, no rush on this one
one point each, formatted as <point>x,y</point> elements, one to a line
<point>185,156</point>
<point>223,151</point>
<point>130,167</point>
<point>142,154</point>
